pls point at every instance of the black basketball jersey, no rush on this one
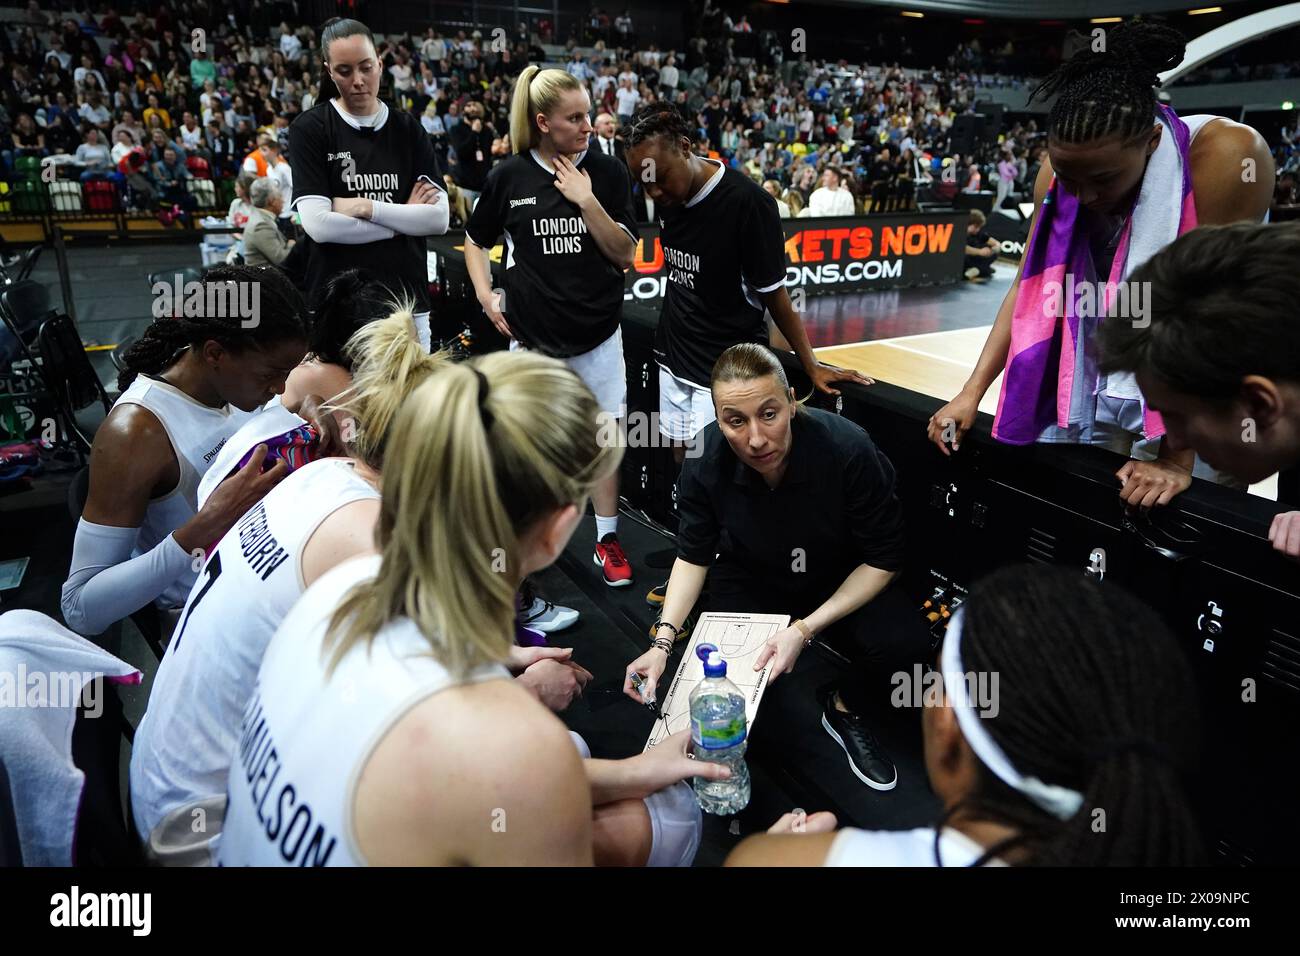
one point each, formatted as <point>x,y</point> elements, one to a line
<point>563,297</point>
<point>721,249</point>
<point>332,159</point>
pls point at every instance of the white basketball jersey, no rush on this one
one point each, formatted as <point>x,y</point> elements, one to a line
<point>196,432</point>
<point>305,737</point>
<point>895,848</point>
<point>184,744</point>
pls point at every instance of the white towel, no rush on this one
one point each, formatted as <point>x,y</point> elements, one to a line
<point>44,669</point>
<point>1157,218</point>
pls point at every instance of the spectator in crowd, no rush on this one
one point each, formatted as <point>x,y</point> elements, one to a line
<point>669,77</point>
<point>471,140</point>
<point>156,108</point>
<point>1008,170</point>
<point>25,139</point>
<point>831,199</point>
<point>94,157</point>
<point>626,100</point>
<point>606,140</point>
<point>131,126</point>
<point>263,242</point>
<point>169,176</point>
<point>290,45</point>
<point>773,189</point>
<point>202,69</point>
<point>191,136</point>
<point>883,173</point>
<point>94,112</point>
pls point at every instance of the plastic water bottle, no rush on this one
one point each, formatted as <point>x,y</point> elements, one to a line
<point>719,730</point>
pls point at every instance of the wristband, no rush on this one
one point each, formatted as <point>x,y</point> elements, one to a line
<point>677,631</point>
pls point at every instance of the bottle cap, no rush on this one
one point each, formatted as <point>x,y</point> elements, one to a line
<point>714,665</point>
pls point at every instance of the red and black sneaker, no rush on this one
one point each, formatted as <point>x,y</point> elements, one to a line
<point>613,562</point>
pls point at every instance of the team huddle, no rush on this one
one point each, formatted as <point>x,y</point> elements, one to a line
<point>339,524</point>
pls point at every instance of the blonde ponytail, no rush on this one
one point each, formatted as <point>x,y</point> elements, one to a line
<point>465,479</point>
<point>536,91</point>
<point>388,363</point>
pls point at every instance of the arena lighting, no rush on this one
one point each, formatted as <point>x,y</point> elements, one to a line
<point>1197,12</point>
<point>973,22</point>
<point>1106,20</point>
<point>1288,105</point>
<point>913,13</point>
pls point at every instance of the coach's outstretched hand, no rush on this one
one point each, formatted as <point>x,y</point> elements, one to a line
<point>650,667</point>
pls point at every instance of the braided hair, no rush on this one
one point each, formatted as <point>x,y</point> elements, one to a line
<point>1094,695</point>
<point>279,319</point>
<point>1111,93</point>
<point>659,119</point>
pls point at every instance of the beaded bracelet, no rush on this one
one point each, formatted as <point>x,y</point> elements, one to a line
<point>677,631</point>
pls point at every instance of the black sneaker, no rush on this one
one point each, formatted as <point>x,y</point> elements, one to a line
<point>868,762</point>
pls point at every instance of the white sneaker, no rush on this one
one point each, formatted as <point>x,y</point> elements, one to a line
<point>547,617</point>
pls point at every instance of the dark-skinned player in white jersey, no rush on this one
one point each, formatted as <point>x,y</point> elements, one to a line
<point>566,213</point>
<point>725,251</point>
<point>365,177</point>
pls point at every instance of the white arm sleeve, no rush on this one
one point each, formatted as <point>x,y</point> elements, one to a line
<point>106,584</point>
<point>323,224</point>
<point>421,220</point>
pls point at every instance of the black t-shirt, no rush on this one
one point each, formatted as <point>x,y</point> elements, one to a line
<point>383,165</point>
<point>721,250</point>
<point>563,297</point>
<point>835,503</point>
<point>882,171</point>
<point>473,154</point>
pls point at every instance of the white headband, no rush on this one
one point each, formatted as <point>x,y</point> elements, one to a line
<point>1059,801</point>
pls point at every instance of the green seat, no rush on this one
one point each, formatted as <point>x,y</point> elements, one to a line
<point>225,193</point>
<point>28,167</point>
<point>29,196</point>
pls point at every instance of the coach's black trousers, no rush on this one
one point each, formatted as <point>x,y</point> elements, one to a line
<point>884,636</point>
